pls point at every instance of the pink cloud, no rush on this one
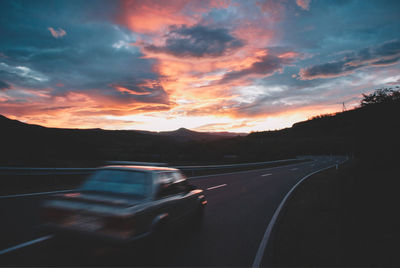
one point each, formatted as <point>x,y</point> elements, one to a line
<point>154,16</point>
<point>275,9</point>
<point>304,4</point>
<point>57,33</point>
<point>130,91</point>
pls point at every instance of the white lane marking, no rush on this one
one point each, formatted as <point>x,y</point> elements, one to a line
<point>267,234</point>
<point>294,169</point>
<point>265,175</point>
<point>215,187</point>
<point>34,194</point>
<point>37,240</point>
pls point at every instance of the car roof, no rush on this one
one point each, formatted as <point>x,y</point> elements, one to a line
<point>139,168</point>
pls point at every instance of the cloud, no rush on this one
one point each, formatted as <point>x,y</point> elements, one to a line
<point>265,66</point>
<point>88,62</point>
<point>57,33</point>
<point>4,85</point>
<point>386,54</point>
<point>394,83</point>
<point>197,41</point>
<point>155,16</point>
<point>76,76</point>
<point>304,4</point>
<point>150,61</point>
<point>75,104</point>
<point>21,75</point>
<point>147,91</point>
<point>152,15</point>
<point>218,127</point>
<point>274,8</point>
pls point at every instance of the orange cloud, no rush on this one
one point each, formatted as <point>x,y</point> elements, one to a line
<point>156,15</point>
<point>304,4</point>
<point>57,33</point>
<point>130,92</point>
<point>73,108</point>
<point>196,83</point>
<point>192,85</point>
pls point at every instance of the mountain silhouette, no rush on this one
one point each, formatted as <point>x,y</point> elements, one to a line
<point>366,132</point>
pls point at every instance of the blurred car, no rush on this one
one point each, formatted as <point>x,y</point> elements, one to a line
<point>124,204</point>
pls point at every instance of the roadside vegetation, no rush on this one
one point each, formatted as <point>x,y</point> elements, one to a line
<point>348,217</point>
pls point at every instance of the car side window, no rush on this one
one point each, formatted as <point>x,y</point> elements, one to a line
<point>166,185</point>
<point>171,183</point>
<point>180,183</point>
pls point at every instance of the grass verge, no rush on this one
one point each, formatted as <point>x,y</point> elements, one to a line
<point>345,217</point>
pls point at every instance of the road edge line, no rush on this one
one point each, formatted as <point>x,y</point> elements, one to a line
<point>25,244</point>
<point>272,222</point>
<point>35,194</point>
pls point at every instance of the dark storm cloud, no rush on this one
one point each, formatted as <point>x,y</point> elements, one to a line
<point>266,66</point>
<point>197,41</point>
<point>4,85</point>
<point>327,70</point>
<point>141,91</point>
<point>385,54</point>
<point>94,54</point>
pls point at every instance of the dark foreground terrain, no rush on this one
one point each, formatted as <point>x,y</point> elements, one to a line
<point>346,217</point>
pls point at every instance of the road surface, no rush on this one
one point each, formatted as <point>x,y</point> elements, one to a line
<point>240,207</point>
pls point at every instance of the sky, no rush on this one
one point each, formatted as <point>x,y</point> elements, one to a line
<point>209,65</point>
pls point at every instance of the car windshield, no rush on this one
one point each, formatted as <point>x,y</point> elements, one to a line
<point>133,183</point>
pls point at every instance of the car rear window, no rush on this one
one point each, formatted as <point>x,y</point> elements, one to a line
<point>133,183</point>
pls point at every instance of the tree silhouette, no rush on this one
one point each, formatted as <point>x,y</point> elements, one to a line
<point>380,96</point>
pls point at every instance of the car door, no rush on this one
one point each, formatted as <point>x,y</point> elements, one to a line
<point>187,200</point>
<point>167,196</point>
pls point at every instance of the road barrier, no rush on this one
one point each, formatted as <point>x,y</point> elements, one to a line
<point>25,180</point>
<point>84,171</point>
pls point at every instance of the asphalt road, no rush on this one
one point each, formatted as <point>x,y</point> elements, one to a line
<point>240,206</point>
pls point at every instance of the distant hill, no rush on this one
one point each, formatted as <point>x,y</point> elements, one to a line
<point>371,132</point>
<point>181,134</point>
<point>26,142</point>
<point>184,134</point>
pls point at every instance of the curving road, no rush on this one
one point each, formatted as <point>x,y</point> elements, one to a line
<point>240,206</point>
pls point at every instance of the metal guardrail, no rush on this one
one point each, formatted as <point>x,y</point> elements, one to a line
<point>208,167</point>
<point>84,171</point>
<point>44,171</point>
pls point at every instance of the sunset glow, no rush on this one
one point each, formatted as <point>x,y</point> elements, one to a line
<point>210,65</point>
